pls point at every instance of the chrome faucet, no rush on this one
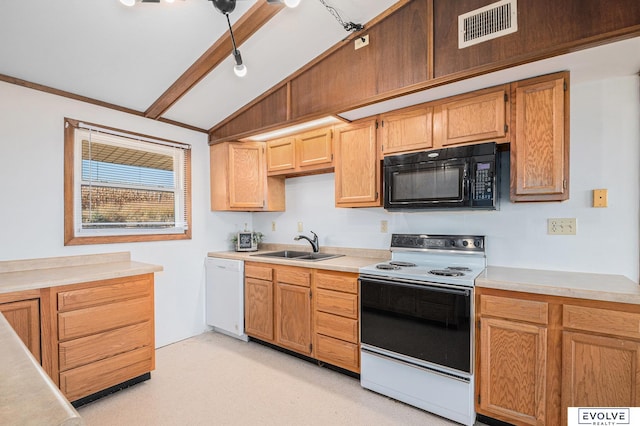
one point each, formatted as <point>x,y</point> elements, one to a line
<point>314,242</point>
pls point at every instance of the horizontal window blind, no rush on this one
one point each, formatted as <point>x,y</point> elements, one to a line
<point>128,185</point>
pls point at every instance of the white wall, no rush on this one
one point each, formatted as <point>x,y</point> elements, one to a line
<point>32,210</point>
<point>605,131</point>
<point>605,153</point>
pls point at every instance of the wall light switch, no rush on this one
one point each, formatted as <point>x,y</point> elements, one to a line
<point>273,225</point>
<point>600,198</point>
<point>384,226</point>
<point>300,228</point>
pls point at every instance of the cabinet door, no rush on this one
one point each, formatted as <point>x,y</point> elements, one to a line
<point>246,175</point>
<point>314,150</point>
<point>599,371</point>
<point>476,118</point>
<point>24,317</point>
<point>293,317</point>
<point>258,308</point>
<point>357,166</point>
<point>512,371</point>
<point>540,143</point>
<point>406,130</point>
<point>281,155</point>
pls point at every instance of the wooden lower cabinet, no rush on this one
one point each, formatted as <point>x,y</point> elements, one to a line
<point>537,355</point>
<point>599,371</point>
<point>104,334</point>
<point>513,370</point>
<point>293,308</point>
<point>24,318</point>
<point>258,301</point>
<point>336,319</point>
<point>309,311</point>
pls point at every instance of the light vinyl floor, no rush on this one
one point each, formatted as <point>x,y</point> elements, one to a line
<point>213,379</point>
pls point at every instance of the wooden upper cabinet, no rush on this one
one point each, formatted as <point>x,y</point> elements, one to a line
<point>305,153</point>
<point>408,129</point>
<point>481,116</point>
<point>314,150</point>
<point>357,165</point>
<point>540,139</point>
<point>239,181</point>
<point>281,155</point>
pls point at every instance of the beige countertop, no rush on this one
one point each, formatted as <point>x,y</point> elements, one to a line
<point>20,275</point>
<point>604,287</point>
<point>28,396</point>
<point>351,260</point>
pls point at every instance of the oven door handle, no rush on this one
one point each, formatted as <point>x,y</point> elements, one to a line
<point>430,287</point>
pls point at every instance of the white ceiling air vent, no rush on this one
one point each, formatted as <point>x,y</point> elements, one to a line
<point>486,23</point>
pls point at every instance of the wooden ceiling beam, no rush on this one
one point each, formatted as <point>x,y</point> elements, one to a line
<point>259,14</point>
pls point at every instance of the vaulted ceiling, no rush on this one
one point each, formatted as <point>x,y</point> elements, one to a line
<point>170,61</point>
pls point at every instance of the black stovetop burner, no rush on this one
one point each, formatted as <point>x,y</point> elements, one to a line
<point>446,272</point>
<point>387,266</point>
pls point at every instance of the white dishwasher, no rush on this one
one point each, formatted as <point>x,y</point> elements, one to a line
<point>225,296</point>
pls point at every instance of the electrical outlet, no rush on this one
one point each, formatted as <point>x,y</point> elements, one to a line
<point>384,226</point>
<point>561,226</point>
<point>300,228</point>
<point>361,42</point>
<point>273,225</point>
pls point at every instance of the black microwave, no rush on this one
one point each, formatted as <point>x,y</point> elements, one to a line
<point>464,177</point>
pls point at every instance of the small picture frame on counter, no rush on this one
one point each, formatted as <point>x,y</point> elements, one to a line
<point>245,241</point>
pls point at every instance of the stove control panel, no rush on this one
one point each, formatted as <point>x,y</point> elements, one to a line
<point>459,243</point>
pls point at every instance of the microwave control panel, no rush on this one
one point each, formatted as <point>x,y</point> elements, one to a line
<point>483,183</point>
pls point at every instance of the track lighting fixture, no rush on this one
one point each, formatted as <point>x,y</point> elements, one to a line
<point>226,7</point>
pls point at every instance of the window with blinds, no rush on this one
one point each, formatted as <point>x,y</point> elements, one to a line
<point>128,185</point>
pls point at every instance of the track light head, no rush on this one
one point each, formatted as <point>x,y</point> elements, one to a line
<point>224,6</point>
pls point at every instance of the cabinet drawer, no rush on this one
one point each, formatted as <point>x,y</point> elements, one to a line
<point>83,322</point>
<point>337,281</point>
<point>338,352</point>
<point>337,326</point>
<point>517,309</point>
<point>77,352</point>
<point>605,321</point>
<point>333,302</point>
<point>294,276</point>
<point>86,380</point>
<point>119,290</point>
<point>256,271</point>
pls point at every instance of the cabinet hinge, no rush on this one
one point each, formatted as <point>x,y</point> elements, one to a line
<point>479,399</point>
<point>310,293</point>
<point>381,148</point>
<point>506,128</point>
<point>376,124</point>
<point>310,347</point>
<point>377,195</point>
<point>478,325</point>
<point>564,86</point>
<point>506,97</point>
<point>564,184</point>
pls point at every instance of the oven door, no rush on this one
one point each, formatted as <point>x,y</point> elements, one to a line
<point>427,322</point>
<point>428,184</point>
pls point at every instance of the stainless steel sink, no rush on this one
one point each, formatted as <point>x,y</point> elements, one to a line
<point>299,255</point>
